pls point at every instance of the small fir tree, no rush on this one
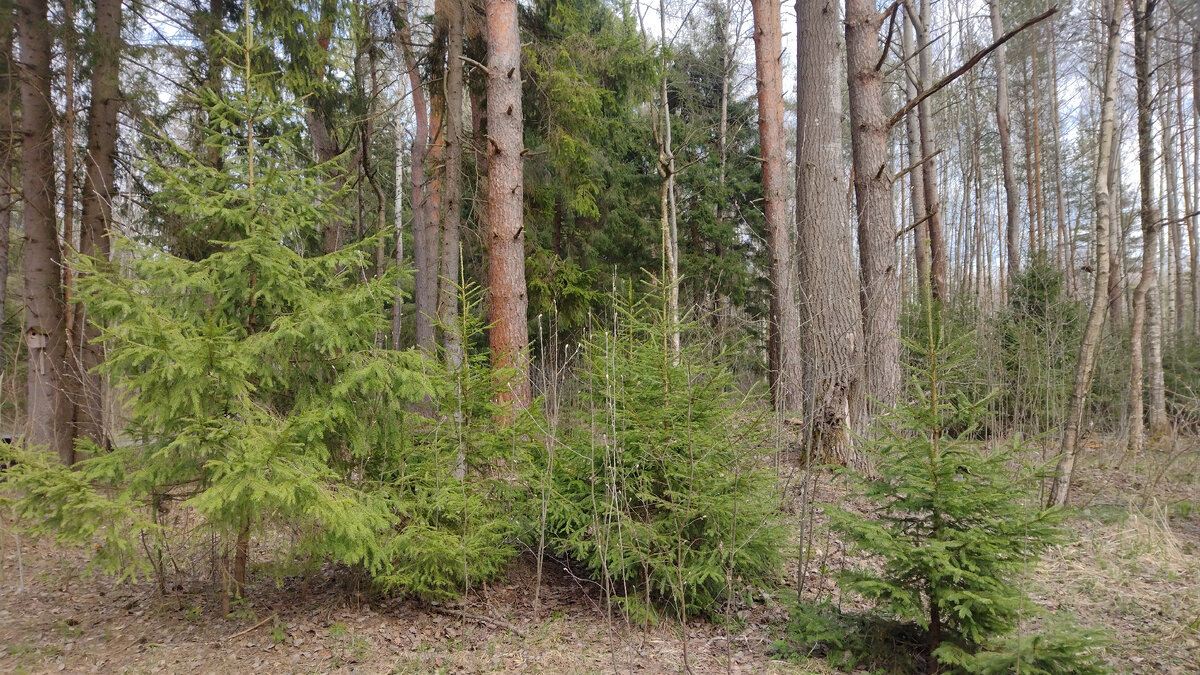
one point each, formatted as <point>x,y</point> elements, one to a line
<point>661,493</point>
<point>954,525</point>
<point>256,395</point>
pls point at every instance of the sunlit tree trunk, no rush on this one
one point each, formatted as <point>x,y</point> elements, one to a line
<point>1090,345</point>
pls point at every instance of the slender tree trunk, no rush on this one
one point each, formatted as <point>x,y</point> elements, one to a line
<point>933,205</point>
<point>1066,242</point>
<point>435,170</point>
<point>1090,345</point>
<point>48,405</point>
<point>1035,238</point>
<point>1036,131</point>
<point>98,195</point>
<point>784,321</point>
<point>401,122</point>
<point>1116,298</point>
<point>452,184</point>
<point>1193,242</point>
<point>830,317</point>
<point>666,168</point>
<point>1189,195</point>
<point>1143,49</point>
<point>8,146</point>
<point>916,177</point>
<point>509,334</point>
<point>879,297</point>
<point>424,268</point>
<point>1174,225</point>
<point>70,46</point>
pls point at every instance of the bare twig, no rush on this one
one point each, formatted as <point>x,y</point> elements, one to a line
<point>251,629</point>
<point>499,623</point>
<point>899,114</point>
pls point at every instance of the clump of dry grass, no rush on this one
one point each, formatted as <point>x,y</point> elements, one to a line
<point>1134,573</point>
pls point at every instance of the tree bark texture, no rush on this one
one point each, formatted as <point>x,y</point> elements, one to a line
<point>508,295</point>
<point>880,291</point>
<point>784,326</point>
<point>1090,345</point>
<point>49,407</point>
<point>98,194</point>
<point>830,318</point>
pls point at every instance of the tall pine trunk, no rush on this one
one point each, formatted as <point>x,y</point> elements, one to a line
<point>508,296</point>
<point>830,318</point>
<point>784,326</point>
<point>453,181</point>
<point>8,145</point>
<point>49,407</point>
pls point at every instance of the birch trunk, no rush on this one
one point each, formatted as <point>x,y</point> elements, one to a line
<point>1090,345</point>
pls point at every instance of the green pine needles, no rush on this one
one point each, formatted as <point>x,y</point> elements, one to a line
<point>661,493</point>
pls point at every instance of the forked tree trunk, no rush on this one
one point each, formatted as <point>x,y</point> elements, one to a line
<point>49,407</point>
<point>830,318</point>
<point>784,326</point>
<point>879,295</point>
<point>98,194</point>
<point>1090,345</point>
<point>1143,49</point>
<point>508,296</point>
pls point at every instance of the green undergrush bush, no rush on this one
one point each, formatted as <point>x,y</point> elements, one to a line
<point>660,492</point>
<point>258,397</point>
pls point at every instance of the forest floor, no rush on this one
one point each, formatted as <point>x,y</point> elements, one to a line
<point>1132,568</point>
